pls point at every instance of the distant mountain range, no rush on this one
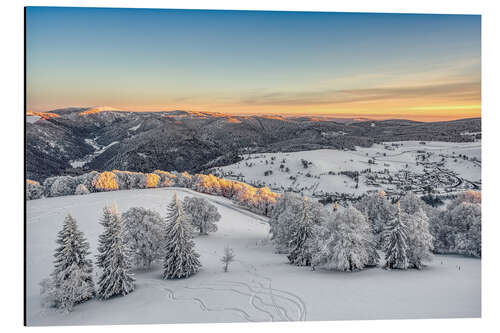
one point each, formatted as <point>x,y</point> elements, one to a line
<point>75,140</point>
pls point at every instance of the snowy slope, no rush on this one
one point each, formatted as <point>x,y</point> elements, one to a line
<point>32,119</point>
<point>260,285</point>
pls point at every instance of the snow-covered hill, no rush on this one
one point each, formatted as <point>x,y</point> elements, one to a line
<point>391,166</point>
<point>202,140</point>
<point>260,285</point>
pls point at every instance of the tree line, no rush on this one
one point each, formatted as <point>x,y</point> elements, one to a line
<point>404,234</point>
<point>258,200</point>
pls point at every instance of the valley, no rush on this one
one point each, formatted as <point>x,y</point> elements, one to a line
<point>73,141</point>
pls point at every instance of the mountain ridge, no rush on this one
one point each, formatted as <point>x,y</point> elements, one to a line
<point>194,141</point>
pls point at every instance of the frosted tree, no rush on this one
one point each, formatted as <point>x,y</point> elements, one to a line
<point>87,179</point>
<point>227,258</point>
<point>411,204</point>
<point>33,190</point>
<point>379,212</point>
<point>143,235</point>
<point>181,259</point>
<point>458,228</point>
<point>184,179</point>
<point>470,196</point>
<point>71,280</point>
<point>63,185</point>
<point>68,291</point>
<point>280,222</point>
<point>299,244</point>
<point>113,258</point>
<point>419,239</point>
<point>81,190</point>
<point>467,220</point>
<point>396,242</point>
<point>75,286</point>
<point>105,181</point>
<point>286,220</point>
<point>345,242</point>
<point>123,178</point>
<point>202,214</point>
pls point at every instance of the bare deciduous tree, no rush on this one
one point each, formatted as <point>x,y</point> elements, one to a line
<point>227,258</point>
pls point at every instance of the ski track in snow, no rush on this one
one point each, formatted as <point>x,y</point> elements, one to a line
<point>203,306</point>
<point>290,299</point>
<point>251,300</point>
<point>301,306</point>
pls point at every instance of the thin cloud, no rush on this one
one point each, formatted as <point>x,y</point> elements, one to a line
<point>470,90</point>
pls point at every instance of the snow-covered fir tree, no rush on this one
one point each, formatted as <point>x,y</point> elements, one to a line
<point>202,214</point>
<point>113,258</point>
<point>143,235</point>
<point>72,285</point>
<point>345,242</point>
<point>181,259</point>
<point>300,250</point>
<point>71,280</point>
<point>378,210</point>
<point>419,239</point>
<point>396,242</point>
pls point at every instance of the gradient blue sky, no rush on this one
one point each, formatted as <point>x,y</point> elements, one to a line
<point>348,64</point>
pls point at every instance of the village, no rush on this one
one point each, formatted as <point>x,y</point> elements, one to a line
<point>425,168</point>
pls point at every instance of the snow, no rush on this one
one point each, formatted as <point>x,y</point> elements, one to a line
<point>135,127</point>
<point>105,108</point>
<point>326,160</point>
<point>98,151</point>
<point>260,285</point>
<point>32,119</point>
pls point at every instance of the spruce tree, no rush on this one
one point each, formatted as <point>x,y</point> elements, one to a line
<point>71,280</point>
<point>396,243</point>
<point>113,258</point>
<point>181,260</point>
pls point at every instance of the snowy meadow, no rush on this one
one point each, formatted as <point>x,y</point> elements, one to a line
<point>260,285</point>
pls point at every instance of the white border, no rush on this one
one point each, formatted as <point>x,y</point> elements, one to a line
<point>11,19</point>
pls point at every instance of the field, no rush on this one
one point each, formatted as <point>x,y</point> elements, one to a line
<point>260,285</point>
<point>395,167</point>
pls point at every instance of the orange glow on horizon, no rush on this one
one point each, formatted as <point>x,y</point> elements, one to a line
<point>376,110</point>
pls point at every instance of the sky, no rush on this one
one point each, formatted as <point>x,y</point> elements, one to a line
<point>379,66</point>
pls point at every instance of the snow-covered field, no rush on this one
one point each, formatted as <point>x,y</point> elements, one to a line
<point>260,285</point>
<point>316,178</point>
